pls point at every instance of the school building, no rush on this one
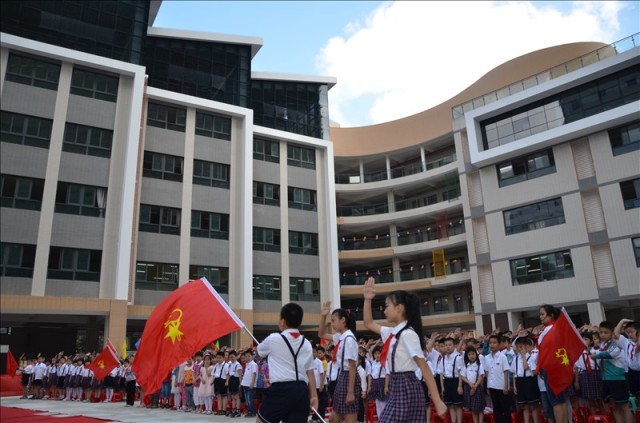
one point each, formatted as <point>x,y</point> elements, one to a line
<point>135,158</point>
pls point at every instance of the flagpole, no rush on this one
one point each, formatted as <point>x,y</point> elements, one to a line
<point>318,414</point>
<point>251,335</point>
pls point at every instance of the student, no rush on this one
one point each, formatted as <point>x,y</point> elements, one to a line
<point>362,376</point>
<point>189,378</point>
<point>425,390</point>
<point>234,373</point>
<point>347,390</point>
<point>378,382</point>
<point>130,381</point>
<point>472,378</point>
<point>38,377</point>
<point>626,335</point>
<point>220,370</point>
<point>320,378</point>
<point>205,390</point>
<point>197,366</point>
<point>588,378</point>
<point>332,372</point>
<point>292,393</point>
<point>613,362</point>
<point>451,388</point>
<point>249,382</point>
<point>498,381</point>
<point>27,375</point>
<point>402,354</point>
<point>109,384</point>
<point>523,368</point>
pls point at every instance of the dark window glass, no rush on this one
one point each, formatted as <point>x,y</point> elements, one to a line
<point>526,167</point>
<point>17,260</point>
<point>625,139</point>
<point>304,289</point>
<point>534,216</point>
<point>30,71</point>
<point>441,304</point>
<point>213,126</point>
<point>74,264</point>
<point>94,85</point>
<point>265,193</point>
<point>303,199</point>
<point>211,174</point>
<point>541,267</point>
<point>266,239</point>
<point>164,220</point>
<point>301,157</point>
<point>631,193</point>
<point>167,117</point>
<point>78,199</point>
<point>156,276</point>
<point>209,225</point>
<point>27,130</point>
<point>21,192</point>
<point>266,287</point>
<point>303,243</point>
<point>87,140</point>
<point>162,166</point>
<point>266,150</point>
<point>636,250</point>
<point>218,277</point>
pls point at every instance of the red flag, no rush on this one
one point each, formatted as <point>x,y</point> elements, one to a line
<point>560,348</point>
<point>112,347</point>
<point>184,322</point>
<point>106,361</point>
<point>12,364</point>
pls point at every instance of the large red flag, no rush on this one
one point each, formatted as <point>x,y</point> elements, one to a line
<point>12,364</point>
<point>184,322</point>
<point>560,348</point>
<point>102,365</point>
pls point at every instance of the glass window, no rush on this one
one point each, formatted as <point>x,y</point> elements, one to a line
<point>213,126</point>
<point>303,199</point>
<point>162,166</point>
<point>266,239</point>
<point>87,140</point>
<point>218,277</point>
<point>20,192</point>
<point>266,287</point>
<point>26,130</point>
<point>630,193</point>
<point>17,260</point>
<point>301,157</point>
<point>265,193</point>
<point>156,276</point>
<point>165,220</point>
<point>441,304</point>
<point>211,174</point>
<point>266,150</point>
<point>541,267</point>
<point>166,117</point>
<point>94,85</point>
<point>625,139</point>
<point>534,216</point>
<point>525,167</point>
<point>303,243</point>
<point>209,225</point>
<point>30,71</point>
<point>304,289</point>
<point>636,250</point>
<point>74,264</point>
<point>84,200</point>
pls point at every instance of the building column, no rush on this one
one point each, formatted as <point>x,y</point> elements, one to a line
<point>285,294</point>
<point>596,313</point>
<point>479,325</point>
<point>395,264</point>
<point>115,324</point>
<point>423,158</point>
<point>187,196</point>
<point>515,319</point>
<point>361,166</point>
<point>387,164</point>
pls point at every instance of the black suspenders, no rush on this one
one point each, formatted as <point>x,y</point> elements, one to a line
<point>294,354</point>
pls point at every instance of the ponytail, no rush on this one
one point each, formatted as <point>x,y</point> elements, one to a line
<point>349,318</point>
<point>411,304</point>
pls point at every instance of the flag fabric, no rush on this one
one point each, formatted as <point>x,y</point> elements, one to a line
<point>137,344</point>
<point>12,364</point>
<point>218,345</point>
<point>112,347</point>
<point>558,351</point>
<point>184,322</point>
<point>123,349</point>
<point>106,361</point>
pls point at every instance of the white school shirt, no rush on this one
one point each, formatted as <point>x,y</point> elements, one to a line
<point>280,359</point>
<point>233,370</point>
<point>318,370</point>
<point>38,371</point>
<point>220,370</point>
<point>497,364</point>
<point>115,371</point>
<point>334,371</point>
<point>581,363</point>
<point>63,370</point>
<point>348,347</point>
<point>29,369</point>
<point>629,348</point>
<point>471,371</point>
<point>452,364</point>
<point>436,360</point>
<point>363,377</point>
<point>419,372</point>
<point>249,370</point>
<point>377,370</point>
<point>408,348</point>
<point>541,385</point>
<point>517,365</point>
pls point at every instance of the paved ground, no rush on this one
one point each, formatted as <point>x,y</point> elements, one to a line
<point>115,412</point>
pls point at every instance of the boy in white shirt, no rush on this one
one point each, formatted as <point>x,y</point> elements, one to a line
<point>497,370</point>
<point>249,382</point>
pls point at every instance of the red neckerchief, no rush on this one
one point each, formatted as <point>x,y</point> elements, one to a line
<point>334,355</point>
<point>385,351</point>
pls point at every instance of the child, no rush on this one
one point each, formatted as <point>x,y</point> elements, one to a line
<point>377,382</point>
<point>249,382</point>
<point>451,387</point>
<point>220,370</point>
<point>293,389</point>
<point>498,381</point>
<point>526,389</point>
<point>347,390</point>
<point>110,384</point>
<point>627,340</point>
<point>425,390</point>
<point>613,362</point>
<point>402,354</point>
<point>472,377</point>
<point>588,379</point>
<point>38,377</point>
<point>319,375</point>
<point>27,374</point>
<point>205,390</point>
<point>189,378</point>
<point>234,373</point>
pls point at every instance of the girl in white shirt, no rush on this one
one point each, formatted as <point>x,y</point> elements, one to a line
<point>472,377</point>
<point>402,354</point>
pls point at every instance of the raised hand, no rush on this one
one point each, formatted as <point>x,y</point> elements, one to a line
<point>369,291</point>
<point>326,309</point>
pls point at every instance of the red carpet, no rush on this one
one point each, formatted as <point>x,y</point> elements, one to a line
<point>21,415</point>
<point>10,386</point>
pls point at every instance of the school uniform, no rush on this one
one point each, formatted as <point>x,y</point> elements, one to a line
<point>197,365</point>
<point>451,372</point>
<point>525,381</point>
<point>425,389</point>
<point>589,377</point>
<point>497,364</point>
<point>332,376</point>
<point>75,377</point>
<point>234,371</point>
<point>319,375</point>
<point>289,357</point>
<point>110,379</point>
<point>613,362</point>
<point>220,371</point>
<point>347,349</point>
<point>87,376</point>
<point>475,402</point>
<point>378,375</point>
<point>63,371</point>
<point>27,372</point>
<point>52,376</point>
<point>38,374</point>
<point>632,364</point>
<point>437,362</point>
<point>405,402</point>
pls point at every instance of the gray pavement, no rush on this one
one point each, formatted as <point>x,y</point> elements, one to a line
<point>115,411</point>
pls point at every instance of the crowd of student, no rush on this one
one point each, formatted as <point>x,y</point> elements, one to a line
<point>410,377</point>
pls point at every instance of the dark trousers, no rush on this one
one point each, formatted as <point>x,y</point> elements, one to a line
<point>131,391</point>
<point>501,405</point>
<point>323,401</point>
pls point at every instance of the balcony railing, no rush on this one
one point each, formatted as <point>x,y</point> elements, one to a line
<point>417,235</point>
<point>407,273</point>
<point>364,243</point>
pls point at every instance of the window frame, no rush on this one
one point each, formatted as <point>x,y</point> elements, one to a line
<point>626,188</point>
<point>166,117</point>
<point>294,289</point>
<point>10,196</point>
<point>9,132</point>
<point>219,127</point>
<point>523,163</point>
<point>625,138</point>
<point>266,239</point>
<point>95,85</point>
<point>25,260</point>
<point>518,278</point>
<point>158,283</point>
<point>32,77</point>
<point>215,170</point>
<point>87,146</point>
<point>305,243</point>
<point>150,212</point>
<point>162,172</point>
<point>260,147</point>
<point>69,264</point>
<point>301,157</point>
<point>211,231</point>
<point>538,222</point>
<point>260,289</point>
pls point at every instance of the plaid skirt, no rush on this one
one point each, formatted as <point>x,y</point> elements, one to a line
<point>85,382</point>
<point>340,394</point>
<point>475,402</point>
<point>53,380</point>
<point>591,385</point>
<point>377,390</point>
<point>405,403</point>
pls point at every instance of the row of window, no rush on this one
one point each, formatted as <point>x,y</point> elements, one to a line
<point>45,74</point>
<point>268,239</point>
<point>175,119</point>
<point>269,194</point>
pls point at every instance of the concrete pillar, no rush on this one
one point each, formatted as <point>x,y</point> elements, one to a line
<point>515,319</point>
<point>596,313</point>
<point>388,166</point>
<point>187,189</point>
<point>423,158</point>
<point>115,325</point>
<point>479,325</point>
<point>361,171</point>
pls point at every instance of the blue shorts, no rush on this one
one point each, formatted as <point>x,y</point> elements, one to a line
<point>166,390</point>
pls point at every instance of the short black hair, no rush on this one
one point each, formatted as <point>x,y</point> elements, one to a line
<point>606,325</point>
<point>292,314</point>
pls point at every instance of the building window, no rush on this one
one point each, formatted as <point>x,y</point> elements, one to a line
<point>303,243</point>
<point>87,140</point>
<point>94,85</point>
<point>265,193</point>
<point>81,200</point>
<point>218,277</point>
<point>266,150</point>
<point>21,193</point>
<point>458,303</point>
<point>458,265</point>
<point>211,174</point>
<point>304,289</point>
<point>625,139</point>
<point>526,167</point>
<point>542,267</point>
<point>266,287</point>
<point>213,126</point>
<point>166,117</point>
<point>266,239</point>
<point>162,166</point>
<point>450,194</point>
<point>29,71</point>
<point>636,249</point>
<point>156,276</point>
<point>303,199</point>
<point>164,220</point>
<point>534,216</point>
<point>630,193</point>
<point>26,130</point>
<point>17,260</point>
<point>209,225</point>
<point>74,264</point>
<point>301,157</point>
<point>441,304</point>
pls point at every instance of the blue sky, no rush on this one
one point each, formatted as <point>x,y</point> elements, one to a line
<point>394,59</point>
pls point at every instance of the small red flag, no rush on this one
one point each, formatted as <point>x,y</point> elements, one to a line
<point>184,322</point>
<point>560,348</point>
<point>106,361</point>
<point>12,364</point>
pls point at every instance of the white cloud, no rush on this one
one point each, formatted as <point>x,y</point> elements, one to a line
<point>408,56</point>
